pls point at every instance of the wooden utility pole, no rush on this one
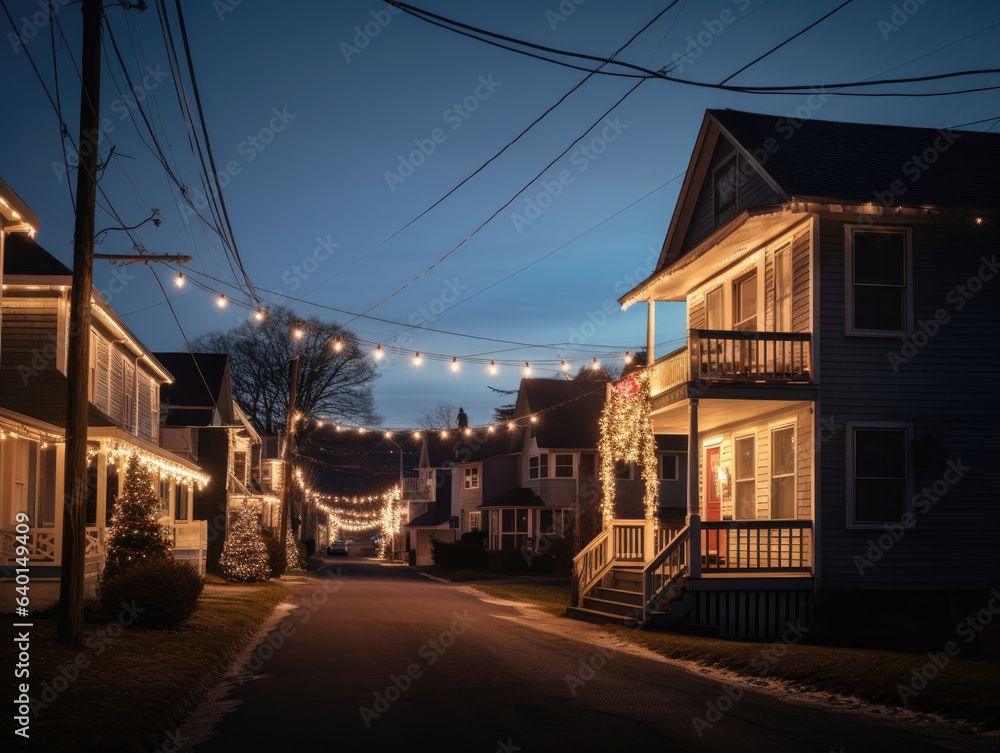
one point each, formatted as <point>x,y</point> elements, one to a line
<point>70,626</point>
<point>286,455</point>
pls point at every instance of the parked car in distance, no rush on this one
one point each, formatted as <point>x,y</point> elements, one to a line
<point>337,548</point>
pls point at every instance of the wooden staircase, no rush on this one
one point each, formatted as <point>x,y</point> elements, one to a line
<point>619,579</point>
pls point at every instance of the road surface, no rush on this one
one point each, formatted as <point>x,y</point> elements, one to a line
<point>375,657</point>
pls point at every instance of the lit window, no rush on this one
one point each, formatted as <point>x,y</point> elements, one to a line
<point>744,478</point>
<point>783,473</point>
<point>472,478</point>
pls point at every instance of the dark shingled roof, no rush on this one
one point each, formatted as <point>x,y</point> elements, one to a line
<point>569,411</point>
<point>22,256</point>
<point>438,515</point>
<point>481,445</point>
<point>516,497</point>
<point>189,391</point>
<point>853,161</point>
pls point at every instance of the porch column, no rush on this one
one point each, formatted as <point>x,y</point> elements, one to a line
<point>650,331</point>
<point>694,515</point>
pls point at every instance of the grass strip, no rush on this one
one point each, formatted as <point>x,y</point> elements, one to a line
<point>128,688</point>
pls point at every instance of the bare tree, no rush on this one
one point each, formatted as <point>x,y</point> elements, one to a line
<point>335,384</point>
<point>444,415</point>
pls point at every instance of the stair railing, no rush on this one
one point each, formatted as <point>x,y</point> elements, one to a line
<point>590,565</point>
<point>662,572</point>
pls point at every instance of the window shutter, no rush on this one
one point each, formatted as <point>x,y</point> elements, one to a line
<point>103,373</point>
<point>117,392</point>
<point>145,408</point>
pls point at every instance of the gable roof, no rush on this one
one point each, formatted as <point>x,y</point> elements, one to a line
<point>567,410</point>
<point>198,388</point>
<point>827,159</point>
<point>23,257</point>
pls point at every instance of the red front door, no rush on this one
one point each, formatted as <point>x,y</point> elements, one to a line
<point>713,495</point>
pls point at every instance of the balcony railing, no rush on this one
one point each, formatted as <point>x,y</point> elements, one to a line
<point>730,356</point>
<point>418,490</point>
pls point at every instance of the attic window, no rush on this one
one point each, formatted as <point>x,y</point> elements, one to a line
<point>725,186</point>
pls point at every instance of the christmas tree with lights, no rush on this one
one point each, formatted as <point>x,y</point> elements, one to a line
<point>244,555</point>
<point>135,534</point>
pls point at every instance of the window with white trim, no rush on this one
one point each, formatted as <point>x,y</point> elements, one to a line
<point>783,473</point>
<point>879,474</point>
<point>878,290</point>
<point>745,477</point>
<point>563,465</point>
<point>783,289</point>
<point>513,528</point>
<point>538,466</point>
<point>475,520</point>
<point>472,478</point>
<point>669,468</point>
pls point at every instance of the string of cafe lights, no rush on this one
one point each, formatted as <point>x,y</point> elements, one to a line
<point>379,351</point>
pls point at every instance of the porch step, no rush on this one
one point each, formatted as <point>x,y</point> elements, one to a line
<point>622,596</point>
<point>607,606</point>
<point>624,578</point>
<point>599,617</point>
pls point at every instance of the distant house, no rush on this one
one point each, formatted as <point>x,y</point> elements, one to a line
<point>201,421</point>
<point>836,386</point>
<point>430,498</point>
<point>123,416</point>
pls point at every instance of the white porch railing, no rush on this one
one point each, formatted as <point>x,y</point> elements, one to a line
<point>756,546</point>
<point>418,490</point>
<point>41,543</point>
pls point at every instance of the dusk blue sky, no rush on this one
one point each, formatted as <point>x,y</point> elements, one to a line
<point>341,107</point>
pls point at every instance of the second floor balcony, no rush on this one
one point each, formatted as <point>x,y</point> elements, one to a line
<point>736,357</point>
<point>418,490</point>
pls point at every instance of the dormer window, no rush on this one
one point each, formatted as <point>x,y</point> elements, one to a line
<point>725,187</point>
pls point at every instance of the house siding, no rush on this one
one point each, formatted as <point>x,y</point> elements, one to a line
<point>753,191</point>
<point>953,544</point>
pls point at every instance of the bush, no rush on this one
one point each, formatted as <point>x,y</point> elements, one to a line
<point>164,591</point>
<point>462,555</point>
<point>276,556</point>
<point>521,561</point>
<point>302,552</point>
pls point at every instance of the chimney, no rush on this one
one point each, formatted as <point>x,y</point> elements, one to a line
<point>463,420</point>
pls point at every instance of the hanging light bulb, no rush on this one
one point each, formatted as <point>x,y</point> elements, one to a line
<point>490,429</point>
<point>510,424</point>
<point>388,435</point>
<point>378,353</point>
<point>179,280</point>
<point>444,435</point>
<point>454,363</point>
<point>337,346</point>
<point>298,333</point>
<point>221,302</point>
<point>416,435</point>
<point>565,366</point>
<point>468,432</point>
<point>628,357</point>
<point>416,358</point>
<point>493,367</point>
<point>527,368</point>
<point>596,365</point>
<point>259,315</point>
<point>534,419</point>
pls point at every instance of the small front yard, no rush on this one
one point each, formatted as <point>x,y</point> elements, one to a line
<point>964,689</point>
<point>127,687</point>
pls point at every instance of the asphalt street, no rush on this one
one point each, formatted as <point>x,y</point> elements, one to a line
<point>376,657</point>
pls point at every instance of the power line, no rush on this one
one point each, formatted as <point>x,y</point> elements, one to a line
<point>647,73</point>
<point>495,156</point>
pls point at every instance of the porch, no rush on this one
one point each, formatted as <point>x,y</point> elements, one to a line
<point>743,578</point>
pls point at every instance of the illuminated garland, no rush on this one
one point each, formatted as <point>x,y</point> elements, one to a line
<point>385,513</point>
<point>120,452</point>
<point>627,436</point>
